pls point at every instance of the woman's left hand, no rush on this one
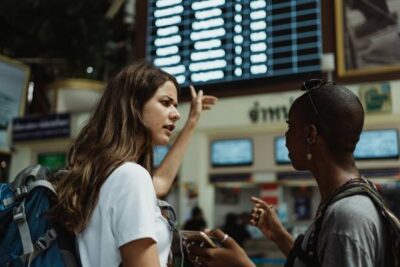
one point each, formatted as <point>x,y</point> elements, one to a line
<point>199,103</point>
<point>229,254</point>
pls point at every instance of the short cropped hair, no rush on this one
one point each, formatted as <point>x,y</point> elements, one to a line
<point>340,118</point>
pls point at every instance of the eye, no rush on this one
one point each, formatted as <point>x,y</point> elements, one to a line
<point>165,103</point>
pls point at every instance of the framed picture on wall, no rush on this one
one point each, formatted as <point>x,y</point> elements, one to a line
<point>367,36</point>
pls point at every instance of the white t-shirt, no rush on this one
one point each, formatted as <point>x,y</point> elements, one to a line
<point>127,210</point>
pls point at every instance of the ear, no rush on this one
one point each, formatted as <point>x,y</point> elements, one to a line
<point>311,133</point>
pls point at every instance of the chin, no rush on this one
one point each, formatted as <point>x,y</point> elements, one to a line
<point>161,141</point>
<point>298,166</point>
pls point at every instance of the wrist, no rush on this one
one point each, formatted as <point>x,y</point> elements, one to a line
<point>279,235</point>
<point>191,123</point>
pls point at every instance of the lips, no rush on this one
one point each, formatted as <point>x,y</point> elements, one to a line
<point>169,127</point>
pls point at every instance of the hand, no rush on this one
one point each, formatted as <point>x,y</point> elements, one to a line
<point>199,103</point>
<point>266,219</point>
<point>229,254</point>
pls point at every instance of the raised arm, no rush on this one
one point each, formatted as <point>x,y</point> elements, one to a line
<point>165,174</point>
<point>265,218</point>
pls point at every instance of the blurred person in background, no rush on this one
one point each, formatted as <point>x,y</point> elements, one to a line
<point>196,221</point>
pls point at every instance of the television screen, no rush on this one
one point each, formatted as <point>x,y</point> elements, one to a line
<point>159,154</point>
<point>217,41</point>
<point>378,144</point>
<point>232,152</point>
<point>281,151</point>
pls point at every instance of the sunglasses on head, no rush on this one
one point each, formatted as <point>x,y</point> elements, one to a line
<point>311,85</point>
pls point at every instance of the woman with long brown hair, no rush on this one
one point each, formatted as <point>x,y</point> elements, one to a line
<point>107,197</point>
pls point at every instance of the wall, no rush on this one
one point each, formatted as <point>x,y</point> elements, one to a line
<point>229,118</point>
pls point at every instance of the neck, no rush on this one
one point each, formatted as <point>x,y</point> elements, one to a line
<point>331,175</point>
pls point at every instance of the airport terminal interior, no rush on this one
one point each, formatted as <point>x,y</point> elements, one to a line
<point>254,55</point>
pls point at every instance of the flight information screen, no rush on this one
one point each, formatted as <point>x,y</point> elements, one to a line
<point>214,41</point>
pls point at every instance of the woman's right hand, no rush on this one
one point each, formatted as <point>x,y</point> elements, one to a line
<point>229,254</point>
<point>266,219</point>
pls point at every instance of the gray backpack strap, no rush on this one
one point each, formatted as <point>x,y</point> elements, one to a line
<point>24,190</point>
<point>19,216</point>
<point>43,243</point>
<point>42,183</point>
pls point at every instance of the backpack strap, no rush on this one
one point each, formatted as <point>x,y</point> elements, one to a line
<point>43,243</point>
<point>24,190</point>
<point>168,213</point>
<point>19,217</point>
<point>348,189</point>
<point>25,184</point>
<point>353,187</point>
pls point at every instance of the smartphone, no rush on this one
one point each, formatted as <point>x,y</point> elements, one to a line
<point>198,237</point>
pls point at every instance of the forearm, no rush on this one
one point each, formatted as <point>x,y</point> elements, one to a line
<point>165,174</point>
<point>284,240</point>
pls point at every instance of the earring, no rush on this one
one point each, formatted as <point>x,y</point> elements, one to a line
<point>308,154</point>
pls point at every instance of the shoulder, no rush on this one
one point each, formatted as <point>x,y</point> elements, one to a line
<point>129,172</point>
<point>356,217</point>
<point>127,177</point>
<point>354,210</point>
<point>353,228</point>
<point>130,169</point>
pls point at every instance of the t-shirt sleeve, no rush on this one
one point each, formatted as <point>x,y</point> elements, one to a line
<point>133,211</point>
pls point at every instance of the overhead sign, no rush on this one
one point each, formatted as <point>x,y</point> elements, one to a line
<point>215,41</point>
<point>41,127</point>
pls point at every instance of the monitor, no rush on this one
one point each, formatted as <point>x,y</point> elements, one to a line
<point>378,144</point>
<point>231,152</point>
<point>218,41</point>
<point>159,154</point>
<point>281,151</point>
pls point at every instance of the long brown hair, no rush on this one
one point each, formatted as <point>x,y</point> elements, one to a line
<point>114,134</point>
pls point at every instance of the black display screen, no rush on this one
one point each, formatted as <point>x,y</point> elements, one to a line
<point>216,41</point>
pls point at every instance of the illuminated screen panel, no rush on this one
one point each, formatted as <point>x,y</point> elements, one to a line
<point>378,144</point>
<point>373,144</point>
<point>281,151</point>
<point>214,41</point>
<point>231,152</point>
<point>159,153</point>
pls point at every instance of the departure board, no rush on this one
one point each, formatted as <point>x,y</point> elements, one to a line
<point>215,41</point>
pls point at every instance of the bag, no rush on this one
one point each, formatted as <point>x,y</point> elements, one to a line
<point>353,187</point>
<point>27,237</point>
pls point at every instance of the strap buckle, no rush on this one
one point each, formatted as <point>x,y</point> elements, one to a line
<point>19,213</point>
<point>21,192</point>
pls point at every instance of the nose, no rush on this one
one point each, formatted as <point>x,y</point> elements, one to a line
<point>174,115</point>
